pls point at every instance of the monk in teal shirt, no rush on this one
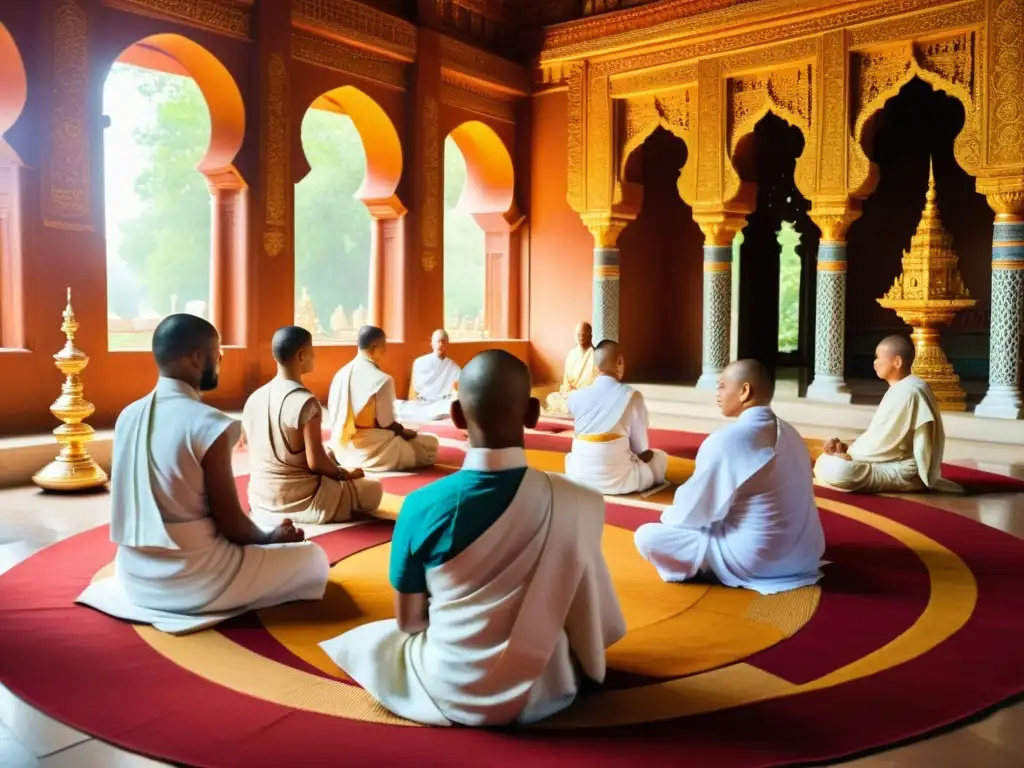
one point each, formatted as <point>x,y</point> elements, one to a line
<point>503,600</point>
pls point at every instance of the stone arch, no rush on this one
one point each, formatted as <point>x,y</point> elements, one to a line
<point>740,190</point>
<point>966,147</point>
<point>13,91</point>
<point>380,141</point>
<point>177,54</point>
<point>490,176</point>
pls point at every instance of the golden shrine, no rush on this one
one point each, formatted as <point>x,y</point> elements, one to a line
<point>926,296</point>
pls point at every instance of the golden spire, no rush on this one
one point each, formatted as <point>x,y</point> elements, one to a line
<point>928,295</point>
<point>73,469</point>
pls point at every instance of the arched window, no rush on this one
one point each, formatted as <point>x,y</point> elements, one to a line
<point>347,238</point>
<point>465,251</point>
<point>481,246</point>
<point>13,92</point>
<point>158,214</point>
<point>174,218</point>
<point>332,230</point>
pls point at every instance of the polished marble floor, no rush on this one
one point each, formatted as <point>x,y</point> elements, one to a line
<point>30,521</point>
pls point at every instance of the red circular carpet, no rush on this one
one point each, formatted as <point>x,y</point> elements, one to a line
<point>917,626</point>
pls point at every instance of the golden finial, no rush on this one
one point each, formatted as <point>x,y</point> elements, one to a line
<point>927,295</point>
<point>73,469</point>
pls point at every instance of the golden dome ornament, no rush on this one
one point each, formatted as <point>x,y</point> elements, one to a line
<point>73,469</point>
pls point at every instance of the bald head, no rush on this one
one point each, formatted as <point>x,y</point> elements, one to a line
<point>894,358</point>
<point>187,347</point>
<point>439,342</point>
<point>494,402</point>
<point>608,358</point>
<point>585,335</point>
<point>754,374</point>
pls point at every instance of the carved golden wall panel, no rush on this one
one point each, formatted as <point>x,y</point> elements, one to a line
<point>710,131</point>
<point>1006,107</point>
<point>353,61</point>
<point>599,175</point>
<point>501,73</point>
<point>576,142</point>
<point>651,81</point>
<point>832,127</point>
<point>231,17</point>
<point>67,193</point>
<point>431,211</point>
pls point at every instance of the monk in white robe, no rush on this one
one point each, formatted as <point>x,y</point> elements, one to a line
<point>365,432</point>
<point>435,381</point>
<point>610,452</point>
<point>290,472</point>
<point>503,599</point>
<point>580,370</point>
<point>901,452</point>
<point>747,516</point>
<point>187,554</point>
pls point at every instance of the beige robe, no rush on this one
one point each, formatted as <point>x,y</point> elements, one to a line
<point>516,619</point>
<point>173,568</point>
<point>580,372</point>
<point>361,405</point>
<point>900,452</point>
<point>280,481</point>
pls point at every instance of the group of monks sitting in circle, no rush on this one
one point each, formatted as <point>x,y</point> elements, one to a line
<point>503,600</point>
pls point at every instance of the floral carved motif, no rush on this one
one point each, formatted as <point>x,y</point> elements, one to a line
<point>710,138</point>
<point>599,143</point>
<point>671,110</point>
<point>342,58</point>
<point>351,20</point>
<point>1006,110</point>
<point>650,81</point>
<point>577,138</point>
<point>832,167</point>
<point>431,173</point>
<point>67,199</point>
<point>230,16</point>
<point>277,139</point>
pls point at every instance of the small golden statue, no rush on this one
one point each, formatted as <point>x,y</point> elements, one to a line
<point>305,316</point>
<point>927,296</point>
<point>73,469</point>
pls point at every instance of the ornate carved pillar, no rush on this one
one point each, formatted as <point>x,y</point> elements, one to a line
<point>385,263</point>
<point>1003,400</point>
<point>502,268</point>
<point>605,229</point>
<point>719,230</point>
<point>830,306</point>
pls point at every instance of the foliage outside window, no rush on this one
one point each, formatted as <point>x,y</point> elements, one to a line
<point>464,253</point>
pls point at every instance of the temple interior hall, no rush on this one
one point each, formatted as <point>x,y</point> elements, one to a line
<point>681,183</point>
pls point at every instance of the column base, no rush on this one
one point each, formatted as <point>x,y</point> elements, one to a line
<point>829,389</point>
<point>708,380</point>
<point>1001,402</point>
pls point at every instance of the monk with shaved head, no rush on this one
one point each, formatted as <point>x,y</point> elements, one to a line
<point>610,452</point>
<point>502,596</point>
<point>188,556</point>
<point>580,369</point>
<point>901,451</point>
<point>435,381</point>
<point>747,517</point>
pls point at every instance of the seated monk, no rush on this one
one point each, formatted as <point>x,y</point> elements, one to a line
<point>503,598</point>
<point>579,369</point>
<point>187,555</point>
<point>610,452</point>
<point>901,451</point>
<point>435,380</point>
<point>290,472</point>
<point>748,515</point>
<point>361,405</point>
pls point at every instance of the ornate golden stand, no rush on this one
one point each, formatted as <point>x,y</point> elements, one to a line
<point>926,297</point>
<point>73,469</point>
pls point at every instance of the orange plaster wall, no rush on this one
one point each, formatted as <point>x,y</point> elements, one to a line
<point>561,248</point>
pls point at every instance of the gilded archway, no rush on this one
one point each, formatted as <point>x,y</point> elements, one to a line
<point>787,93</point>
<point>672,110</point>
<point>946,65</point>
